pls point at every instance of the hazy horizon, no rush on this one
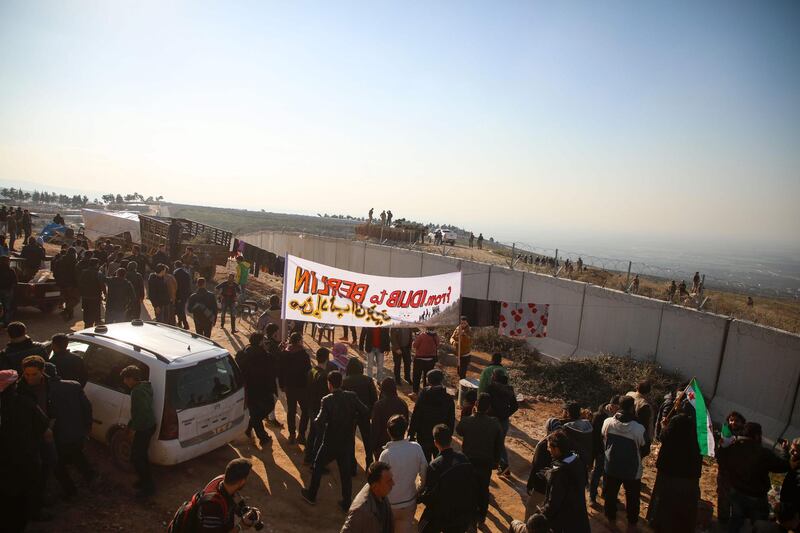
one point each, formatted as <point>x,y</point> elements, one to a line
<point>671,125</point>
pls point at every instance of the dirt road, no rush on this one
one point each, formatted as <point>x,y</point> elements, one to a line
<point>110,505</point>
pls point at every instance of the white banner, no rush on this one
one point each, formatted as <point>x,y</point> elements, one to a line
<point>313,292</point>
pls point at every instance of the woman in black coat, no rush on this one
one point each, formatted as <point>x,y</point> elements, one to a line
<point>677,488</point>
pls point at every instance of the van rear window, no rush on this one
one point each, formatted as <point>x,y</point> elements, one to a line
<point>207,382</point>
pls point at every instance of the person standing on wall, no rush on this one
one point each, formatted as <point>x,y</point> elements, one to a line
<point>461,341</point>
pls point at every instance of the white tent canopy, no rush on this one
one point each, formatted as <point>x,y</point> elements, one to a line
<point>98,224</point>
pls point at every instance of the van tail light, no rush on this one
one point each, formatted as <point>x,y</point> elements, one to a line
<point>169,423</point>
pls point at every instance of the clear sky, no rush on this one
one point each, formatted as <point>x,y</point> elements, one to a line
<point>524,120</point>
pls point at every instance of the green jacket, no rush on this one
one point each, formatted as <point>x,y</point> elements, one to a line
<point>486,377</point>
<point>142,416</point>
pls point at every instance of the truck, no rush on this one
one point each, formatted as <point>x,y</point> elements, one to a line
<point>211,245</point>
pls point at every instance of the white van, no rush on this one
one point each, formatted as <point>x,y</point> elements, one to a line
<point>198,391</point>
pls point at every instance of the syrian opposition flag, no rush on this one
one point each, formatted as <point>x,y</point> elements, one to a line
<point>705,434</point>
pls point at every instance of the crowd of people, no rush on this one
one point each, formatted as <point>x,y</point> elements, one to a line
<point>328,396</point>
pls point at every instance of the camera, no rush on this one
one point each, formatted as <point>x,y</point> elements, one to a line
<point>248,513</point>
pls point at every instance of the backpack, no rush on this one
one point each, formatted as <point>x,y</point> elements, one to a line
<point>186,517</point>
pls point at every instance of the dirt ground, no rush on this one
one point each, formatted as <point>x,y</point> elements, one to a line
<point>110,505</point>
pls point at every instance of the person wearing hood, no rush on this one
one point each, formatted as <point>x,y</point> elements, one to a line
<point>135,278</point>
<point>388,405</point>
<point>504,404</point>
<point>624,439</point>
<point>258,369</point>
<point>564,505</point>
<point>434,406</point>
<point>340,359</point>
<point>121,297</point>
<point>143,426</point>
<point>598,447</point>
<point>22,429</point>
<point>673,504</point>
<point>364,387</point>
<point>375,343</point>
<point>482,444</point>
<point>19,347</point>
<point>426,348</point>
<point>461,341</point>
<point>293,367</point>
<point>579,431</point>
<point>65,403</point>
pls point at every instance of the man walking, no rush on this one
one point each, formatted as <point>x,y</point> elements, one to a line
<point>374,342</point>
<point>242,274</point>
<point>564,504</point>
<point>503,405</point>
<point>410,467</point>
<point>598,445</point>
<point>203,306</point>
<point>371,511</point>
<point>426,347</point>
<point>339,412</point>
<point>142,424</point>
<point>158,293</point>
<point>434,406</point>
<point>482,444</point>
<point>487,375</point>
<point>317,389</point>
<point>137,281</point>
<point>461,341</point>
<point>184,280</point>
<point>401,339</point>
<point>451,488</point>
<point>20,346</point>
<point>92,289</point>
<point>121,297</point>
<point>624,437</point>
<point>8,284</point>
<point>293,368</point>
<point>69,366</point>
<point>228,292</point>
<point>258,369</point>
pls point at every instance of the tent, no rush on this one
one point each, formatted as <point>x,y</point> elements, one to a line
<point>98,224</point>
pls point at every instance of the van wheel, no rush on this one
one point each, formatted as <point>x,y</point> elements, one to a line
<point>121,450</point>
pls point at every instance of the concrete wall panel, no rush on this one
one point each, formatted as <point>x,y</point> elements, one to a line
<point>565,298</point>
<point>759,376</point>
<point>690,344</point>
<point>326,251</point>
<point>438,264</point>
<point>343,252</point>
<point>357,257</point>
<point>280,244</point>
<point>620,324</point>
<point>475,279</point>
<point>405,263</point>
<point>505,285</point>
<point>377,260</point>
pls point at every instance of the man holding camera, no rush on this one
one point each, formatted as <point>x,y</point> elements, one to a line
<point>217,507</point>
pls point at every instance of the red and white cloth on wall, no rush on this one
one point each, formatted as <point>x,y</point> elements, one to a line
<point>523,319</point>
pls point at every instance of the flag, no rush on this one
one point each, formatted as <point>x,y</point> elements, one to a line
<point>705,433</point>
<point>523,319</point>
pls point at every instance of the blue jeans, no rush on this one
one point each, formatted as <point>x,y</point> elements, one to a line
<point>504,425</point>
<point>743,507</point>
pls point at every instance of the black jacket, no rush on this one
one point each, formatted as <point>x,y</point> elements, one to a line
<point>65,272</point>
<point>564,504</point>
<point>68,405</point>
<point>22,425</point>
<point>159,258</point>
<point>15,352</point>
<point>184,280</point>
<point>121,295</point>
<point>259,371</point>
<point>434,406</point>
<point>293,369</point>
<point>504,401</point>
<point>482,438</point>
<point>141,262</point>
<point>137,281</point>
<point>90,283</point>
<point>33,255</point>
<point>748,465</point>
<point>317,387</point>
<point>339,413</point>
<point>365,340</point>
<point>203,303</point>
<point>157,290</point>
<point>8,279</point>
<point>70,366</point>
<point>540,463</point>
<point>790,489</point>
<point>450,493</point>
<point>356,381</point>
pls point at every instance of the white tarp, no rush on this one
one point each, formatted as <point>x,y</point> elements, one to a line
<point>324,294</point>
<point>98,224</point>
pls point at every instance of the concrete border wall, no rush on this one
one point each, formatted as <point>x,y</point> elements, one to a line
<point>757,372</point>
<point>691,344</point>
<point>759,377</point>
<point>619,323</point>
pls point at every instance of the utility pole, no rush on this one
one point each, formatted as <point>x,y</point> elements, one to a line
<point>555,263</point>
<point>628,279</point>
<point>513,255</point>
